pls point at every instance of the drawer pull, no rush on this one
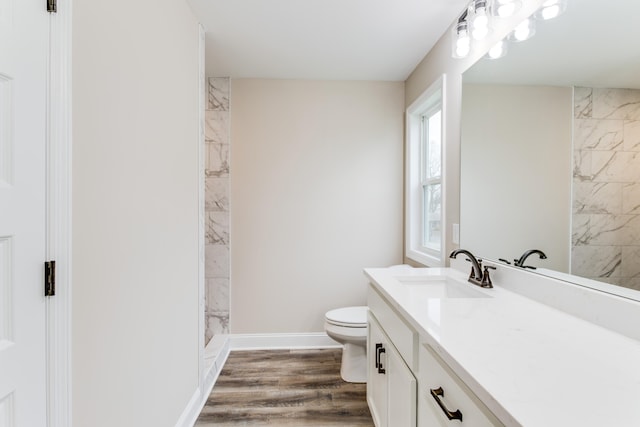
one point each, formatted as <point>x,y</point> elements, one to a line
<point>379,350</point>
<point>439,392</point>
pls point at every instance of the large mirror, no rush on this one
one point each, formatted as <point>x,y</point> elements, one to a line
<point>550,154</point>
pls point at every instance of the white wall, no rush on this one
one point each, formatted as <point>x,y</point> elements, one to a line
<point>438,61</point>
<point>316,196</point>
<point>135,212</point>
<point>516,172</point>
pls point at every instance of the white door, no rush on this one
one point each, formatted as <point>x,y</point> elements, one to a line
<point>23,95</point>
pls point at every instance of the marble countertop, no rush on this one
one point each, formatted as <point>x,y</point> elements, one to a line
<point>531,364</point>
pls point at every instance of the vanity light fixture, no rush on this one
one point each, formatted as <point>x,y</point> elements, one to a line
<point>476,22</point>
<point>552,8</point>
<point>505,8</point>
<point>461,39</point>
<point>524,30</point>
<point>479,19</point>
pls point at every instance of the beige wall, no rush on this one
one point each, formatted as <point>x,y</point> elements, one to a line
<point>135,212</point>
<point>316,195</point>
<point>436,63</point>
<point>516,172</point>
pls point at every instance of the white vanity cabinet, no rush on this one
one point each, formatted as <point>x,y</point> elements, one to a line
<point>408,385</point>
<point>391,384</point>
<point>444,400</point>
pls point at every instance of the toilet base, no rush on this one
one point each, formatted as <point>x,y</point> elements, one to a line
<point>354,363</point>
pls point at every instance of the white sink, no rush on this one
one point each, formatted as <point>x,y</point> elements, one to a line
<point>441,287</point>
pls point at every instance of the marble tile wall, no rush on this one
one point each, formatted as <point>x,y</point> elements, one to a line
<point>216,208</point>
<point>606,186</point>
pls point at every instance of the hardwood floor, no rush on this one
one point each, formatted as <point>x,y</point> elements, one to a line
<point>285,388</point>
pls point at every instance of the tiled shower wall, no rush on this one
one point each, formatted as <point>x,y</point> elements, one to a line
<point>606,186</point>
<point>216,208</point>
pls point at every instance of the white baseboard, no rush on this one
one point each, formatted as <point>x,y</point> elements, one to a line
<point>191,412</point>
<point>218,349</point>
<point>281,341</point>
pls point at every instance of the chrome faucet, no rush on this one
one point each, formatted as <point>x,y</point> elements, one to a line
<point>523,258</point>
<point>477,276</point>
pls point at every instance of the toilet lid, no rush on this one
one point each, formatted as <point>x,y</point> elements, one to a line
<point>348,316</point>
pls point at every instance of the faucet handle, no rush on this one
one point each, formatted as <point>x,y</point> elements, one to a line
<point>486,278</point>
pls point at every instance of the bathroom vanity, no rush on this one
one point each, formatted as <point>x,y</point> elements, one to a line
<point>442,351</point>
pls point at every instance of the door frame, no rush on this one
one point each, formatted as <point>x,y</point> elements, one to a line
<point>58,216</point>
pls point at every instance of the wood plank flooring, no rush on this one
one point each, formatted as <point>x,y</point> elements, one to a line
<point>285,388</point>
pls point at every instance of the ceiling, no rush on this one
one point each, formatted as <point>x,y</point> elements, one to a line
<point>321,39</point>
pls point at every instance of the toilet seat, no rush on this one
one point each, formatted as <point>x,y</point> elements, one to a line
<point>349,317</point>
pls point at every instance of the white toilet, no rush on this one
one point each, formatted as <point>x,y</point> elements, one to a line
<point>348,326</point>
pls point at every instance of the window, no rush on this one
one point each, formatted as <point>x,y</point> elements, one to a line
<point>425,185</point>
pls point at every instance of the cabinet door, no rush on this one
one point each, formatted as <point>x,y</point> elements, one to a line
<point>454,397</point>
<point>402,390</point>
<point>376,380</point>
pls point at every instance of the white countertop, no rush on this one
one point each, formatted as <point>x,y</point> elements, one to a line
<point>531,365</point>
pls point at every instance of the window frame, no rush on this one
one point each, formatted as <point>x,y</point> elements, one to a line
<point>429,102</point>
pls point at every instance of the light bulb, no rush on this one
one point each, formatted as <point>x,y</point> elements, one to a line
<point>463,46</point>
<point>479,20</point>
<point>498,50</point>
<point>480,26</point>
<point>505,8</point>
<point>523,31</point>
<point>550,12</point>
<point>552,8</point>
<point>462,41</point>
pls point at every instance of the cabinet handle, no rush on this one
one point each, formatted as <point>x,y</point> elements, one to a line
<point>379,350</point>
<point>437,393</point>
<point>381,370</point>
<point>378,347</point>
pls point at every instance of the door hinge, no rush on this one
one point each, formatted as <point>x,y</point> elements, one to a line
<point>49,278</point>
<point>52,6</point>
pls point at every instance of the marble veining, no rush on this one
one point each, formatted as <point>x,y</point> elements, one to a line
<point>218,94</point>
<point>217,230</point>
<point>216,194</point>
<point>599,197</point>
<point>583,99</point>
<point>631,198</point>
<point>606,185</point>
<point>217,294</point>
<point>217,161</point>
<point>593,134</point>
<point>631,131</point>
<point>616,104</point>
<point>582,166</point>
<point>217,238</point>
<point>217,126</point>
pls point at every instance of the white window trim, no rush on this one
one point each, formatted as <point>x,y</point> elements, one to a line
<point>413,181</point>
